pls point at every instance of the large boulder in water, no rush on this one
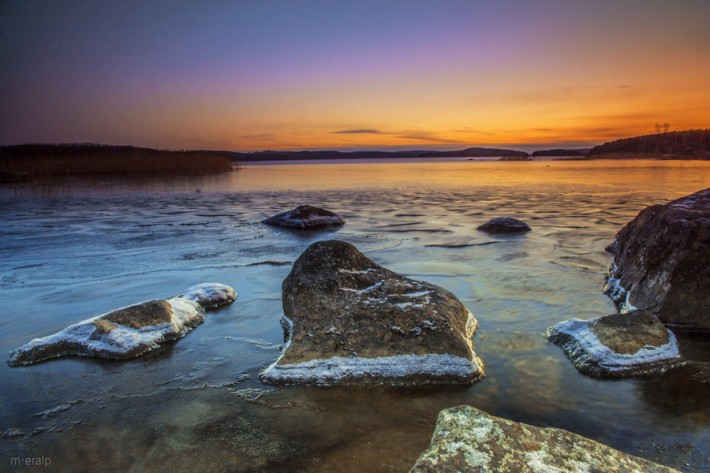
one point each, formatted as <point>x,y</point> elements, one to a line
<point>504,225</point>
<point>128,332</point>
<point>617,345</point>
<point>467,439</point>
<point>662,262</point>
<point>349,320</point>
<point>305,217</point>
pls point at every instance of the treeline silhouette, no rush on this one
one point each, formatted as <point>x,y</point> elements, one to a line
<point>271,155</point>
<point>690,144</point>
<point>561,152</point>
<point>30,161</point>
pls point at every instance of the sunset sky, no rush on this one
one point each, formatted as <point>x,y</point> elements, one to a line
<point>250,75</point>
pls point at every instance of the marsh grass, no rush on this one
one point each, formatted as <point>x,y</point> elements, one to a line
<point>51,161</point>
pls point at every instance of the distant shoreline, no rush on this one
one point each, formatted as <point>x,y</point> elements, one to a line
<point>22,163</point>
<point>414,160</point>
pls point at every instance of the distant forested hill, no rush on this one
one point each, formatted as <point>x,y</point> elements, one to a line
<point>474,153</point>
<point>29,161</point>
<point>691,144</point>
<point>317,155</point>
<point>561,152</point>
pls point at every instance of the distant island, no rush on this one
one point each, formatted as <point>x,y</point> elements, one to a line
<point>50,161</point>
<point>690,144</point>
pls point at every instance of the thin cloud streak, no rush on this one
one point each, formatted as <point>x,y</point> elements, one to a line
<point>364,131</point>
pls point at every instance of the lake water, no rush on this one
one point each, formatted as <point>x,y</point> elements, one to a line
<point>71,251</point>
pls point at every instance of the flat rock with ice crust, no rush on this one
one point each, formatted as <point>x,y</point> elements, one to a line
<point>128,332</point>
<point>661,261</point>
<point>504,225</point>
<point>210,295</point>
<point>349,320</point>
<point>305,217</point>
<point>467,439</point>
<point>617,345</point>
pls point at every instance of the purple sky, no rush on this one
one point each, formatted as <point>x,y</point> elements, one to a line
<point>306,74</point>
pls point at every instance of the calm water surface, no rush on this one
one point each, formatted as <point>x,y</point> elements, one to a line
<point>73,251</point>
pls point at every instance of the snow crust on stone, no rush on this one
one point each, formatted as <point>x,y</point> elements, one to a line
<point>360,271</point>
<point>406,305</point>
<point>618,293</point>
<point>417,294</point>
<point>86,340</point>
<point>587,349</point>
<point>365,290</point>
<point>210,295</point>
<point>326,371</point>
<point>330,370</point>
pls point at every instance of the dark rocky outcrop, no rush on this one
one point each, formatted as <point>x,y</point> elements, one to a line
<point>349,320</point>
<point>305,217</point>
<point>467,439</point>
<point>662,262</point>
<point>128,332</point>
<point>504,225</point>
<point>617,345</point>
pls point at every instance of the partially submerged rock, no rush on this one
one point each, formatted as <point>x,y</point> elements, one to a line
<point>305,217</point>
<point>504,225</point>
<point>467,439</point>
<point>661,262</point>
<point>617,345</point>
<point>350,320</point>
<point>210,295</point>
<point>128,332</point>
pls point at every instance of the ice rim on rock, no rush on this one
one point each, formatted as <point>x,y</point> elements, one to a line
<point>84,339</point>
<point>391,370</point>
<point>592,357</point>
<point>209,295</point>
<point>618,293</point>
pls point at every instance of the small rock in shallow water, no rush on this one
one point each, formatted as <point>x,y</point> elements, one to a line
<point>128,332</point>
<point>349,320</point>
<point>467,439</point>
<point>504,225</point>
<point>305,217</point>
<point>617,345</point>
<point>210,295</point>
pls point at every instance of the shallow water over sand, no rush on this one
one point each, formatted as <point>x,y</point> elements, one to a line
<point>74,251</point>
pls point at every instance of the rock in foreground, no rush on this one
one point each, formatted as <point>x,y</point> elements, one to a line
<point>617,345</point>
<point>466,439</point>
<point>305,217</point>
<point>349,320</point>
<point>128,332</point>
<point>504,225</point>
<point>661,262</point>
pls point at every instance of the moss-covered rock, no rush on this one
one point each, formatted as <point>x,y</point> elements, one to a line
<point>467,439</point>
